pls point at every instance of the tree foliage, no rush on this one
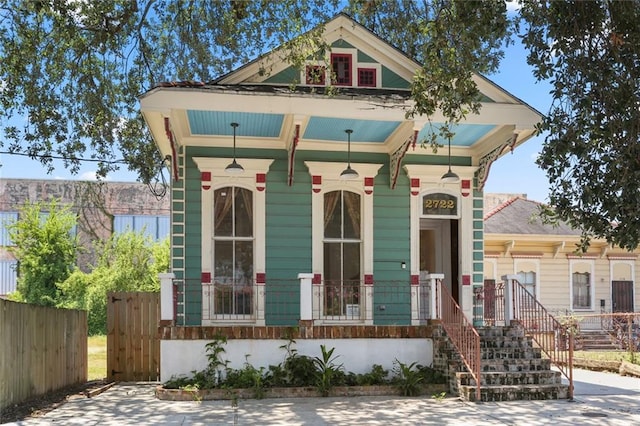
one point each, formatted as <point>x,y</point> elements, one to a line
<point>71,73</point>
<point>45,247</point>
<point>129,261</point>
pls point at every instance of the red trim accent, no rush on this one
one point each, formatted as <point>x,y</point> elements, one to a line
<point>261,278</point>
<point>466,280</point>
<point>296,139</point>
<point>415,279</point>
<point>368,185</point>
<point>415,186</point>
<point>261,179</point>
<point>317,279</point>
<point>312,81</point>
<point>368,279</point>
<point>205,277</point>
<point>174,156</point>
<point>316,181</point>
<point>466,187</point>
<point>205,177</point>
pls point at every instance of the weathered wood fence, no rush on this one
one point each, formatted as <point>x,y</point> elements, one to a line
<point>133,345</point>
<point>41,350</point>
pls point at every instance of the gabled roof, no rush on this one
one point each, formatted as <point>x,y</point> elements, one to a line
<point>521,216</point>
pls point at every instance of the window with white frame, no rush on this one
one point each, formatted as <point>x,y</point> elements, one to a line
<point>581,283</point>
<point>528,280</point>
<point>233,243</point>
<point>342,253</point>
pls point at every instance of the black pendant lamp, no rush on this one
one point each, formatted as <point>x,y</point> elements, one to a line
<point>348,173</point>
<point>450,177</point>
<point>234,168</point>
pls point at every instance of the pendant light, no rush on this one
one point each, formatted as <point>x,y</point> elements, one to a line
<point>348,173</point>
<point>450,177</point>
<point>234,168</point>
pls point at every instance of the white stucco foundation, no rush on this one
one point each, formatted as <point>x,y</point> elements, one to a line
<point>182,357</point>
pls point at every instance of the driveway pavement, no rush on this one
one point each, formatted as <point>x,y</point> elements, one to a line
<point>600,399</point>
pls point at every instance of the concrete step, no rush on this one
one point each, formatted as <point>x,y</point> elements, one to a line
<point>511,378</point>
<point>515,392</point>
<point>511,353</point>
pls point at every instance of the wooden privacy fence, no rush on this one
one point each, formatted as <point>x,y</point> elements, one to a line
<point>41,350</point>
<point>133,346</point>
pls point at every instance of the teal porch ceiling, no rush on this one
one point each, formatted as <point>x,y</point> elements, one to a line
<point>265,125</point>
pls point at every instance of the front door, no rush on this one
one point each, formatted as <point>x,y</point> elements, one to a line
<point>622,296</point>
<point>439,251</point>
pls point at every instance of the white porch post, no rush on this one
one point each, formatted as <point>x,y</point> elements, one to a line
<point>508,298</point>
<point>436,296</point>
<point>306,296</point>
<point>166,296</point>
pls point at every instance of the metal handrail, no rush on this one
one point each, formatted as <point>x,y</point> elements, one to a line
<point>554,338</point>
<point>461,332</point>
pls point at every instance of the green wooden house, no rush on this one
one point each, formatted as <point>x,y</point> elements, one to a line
<point>315,213</point>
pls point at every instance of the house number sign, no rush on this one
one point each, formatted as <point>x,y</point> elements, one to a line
<point>439,204</point>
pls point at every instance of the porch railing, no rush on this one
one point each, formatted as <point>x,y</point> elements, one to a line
<point>555,338</point>
<point>461,332</point>
<point>287,301</point>
<point>623,328</point>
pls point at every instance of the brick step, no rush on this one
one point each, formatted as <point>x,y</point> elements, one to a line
<point>514,365</point>
<point>511,353</point>
<point>515,392</point>
<point>505,342</point>
<point>511,378</point>
<point>500,332</point>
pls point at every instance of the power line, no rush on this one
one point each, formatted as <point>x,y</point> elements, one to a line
<point>60,157</point>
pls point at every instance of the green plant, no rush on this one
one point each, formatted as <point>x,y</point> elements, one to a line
<point>439,396</point>
<point>326,370</point>
<point>407,378</point>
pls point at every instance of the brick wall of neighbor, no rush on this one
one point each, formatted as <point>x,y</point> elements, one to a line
<point>95,203</point>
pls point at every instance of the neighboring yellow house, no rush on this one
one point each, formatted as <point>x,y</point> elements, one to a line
<point>545,259</point>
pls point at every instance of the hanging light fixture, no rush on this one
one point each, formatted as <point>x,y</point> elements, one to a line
<point>348,173</point>
<point>234,168</point>
<point>450,177</point>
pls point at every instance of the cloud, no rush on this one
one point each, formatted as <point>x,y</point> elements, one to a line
<point>88,176</point>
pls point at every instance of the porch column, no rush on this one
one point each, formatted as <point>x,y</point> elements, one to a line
<point>166,296</point>
<point>436,296</point>
<point>306,296</point>
<point>508,298</point>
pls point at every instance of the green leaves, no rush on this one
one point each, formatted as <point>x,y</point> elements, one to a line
<point>590,52</point>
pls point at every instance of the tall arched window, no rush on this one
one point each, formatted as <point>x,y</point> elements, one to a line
<point>581,290</point>
<point>342,253</point>
<point>233,251</point>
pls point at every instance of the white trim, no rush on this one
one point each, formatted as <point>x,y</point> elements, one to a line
<point>246,180</point>
<point>592,290</point>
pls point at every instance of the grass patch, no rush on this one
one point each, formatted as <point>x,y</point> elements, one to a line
<point>97,357</point>
<point>604,355</point>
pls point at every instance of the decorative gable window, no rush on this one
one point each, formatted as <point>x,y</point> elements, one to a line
<point>341,65</point>
<point>367,77</point>
<point>315,75</point>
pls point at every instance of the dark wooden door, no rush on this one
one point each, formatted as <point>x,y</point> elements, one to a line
<point>622,296</point>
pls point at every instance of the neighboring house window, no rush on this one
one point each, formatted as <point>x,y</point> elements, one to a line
<point>341,67</point>
<point>342,253</point>
<point>233,251</point>
<point>528,280</point>
<point>8,276</point>
<point>6,218</point>
<point>315,75</point>
<point>581,290</point>
<point>366,77</point>
<point>156,227</point>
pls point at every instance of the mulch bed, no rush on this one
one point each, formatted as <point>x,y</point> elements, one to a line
<point>40,405</point>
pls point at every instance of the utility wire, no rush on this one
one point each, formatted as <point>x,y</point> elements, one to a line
<point>60,157</point>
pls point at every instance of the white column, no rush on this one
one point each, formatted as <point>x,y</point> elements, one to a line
<point>436,296</point>
<point>508,298</point>
<point>306,296</point>
<point>166,296</point>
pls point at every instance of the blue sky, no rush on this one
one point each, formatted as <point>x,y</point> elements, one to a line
<point>513,173</point>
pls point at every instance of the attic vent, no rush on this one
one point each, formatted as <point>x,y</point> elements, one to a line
<point>367,77</point>
<point>315,75</point>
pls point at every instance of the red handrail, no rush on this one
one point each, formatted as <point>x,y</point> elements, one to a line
<point>463,335</point>
<point>556,339</point>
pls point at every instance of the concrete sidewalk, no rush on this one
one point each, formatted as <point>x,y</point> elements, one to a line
<point>600,399</point>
